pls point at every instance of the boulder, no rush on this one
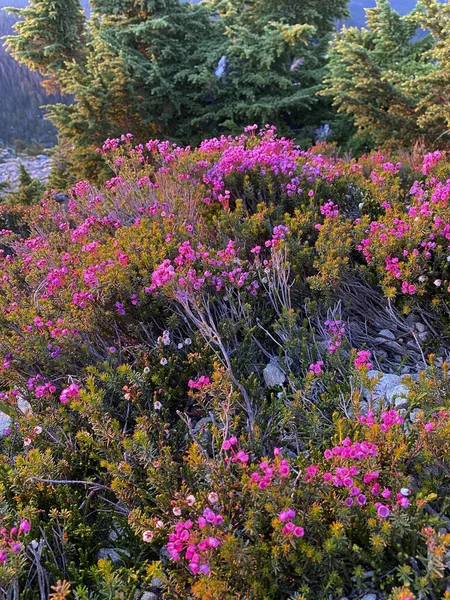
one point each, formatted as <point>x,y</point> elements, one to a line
<point>387,338</point>
<point>112,554</point>
<point>273,375</point>
<point>6,421</point>
<point>388,391</point>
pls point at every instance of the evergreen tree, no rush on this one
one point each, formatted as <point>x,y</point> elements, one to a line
<point>373,76</point>
<point>274,52</point>
<point>176,70</point>
<point>49,33</point>
<point>29,191</point>
<point>435,84</point>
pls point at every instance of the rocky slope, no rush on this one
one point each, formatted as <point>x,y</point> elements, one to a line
<point>37,166</point>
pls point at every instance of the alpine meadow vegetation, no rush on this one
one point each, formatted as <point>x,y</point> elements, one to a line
<point>191,366</point>
<point>224,348</point>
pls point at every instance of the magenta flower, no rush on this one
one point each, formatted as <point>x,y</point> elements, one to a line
<point>70,393</point>
<point>382,510</point>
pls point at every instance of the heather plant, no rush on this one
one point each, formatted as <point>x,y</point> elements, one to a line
<point>191,363</point>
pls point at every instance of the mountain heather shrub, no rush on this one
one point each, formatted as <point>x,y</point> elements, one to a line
<point>191,359</point>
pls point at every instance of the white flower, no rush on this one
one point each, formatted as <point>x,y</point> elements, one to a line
<point>147,536</point>
<point>37,430</point>
<point>27,441</point>
<point>190,500</point>
<point>405,491</point>
<point>437,282</point>
<point>146,370</point>
<point>188,341</point>
<point>157,405</point>
<point>422,278</point>
<point>159,524</point>
<point>180,345</point>
<point>176,511</point>
<point>163,361</point>
<point>213,498</point>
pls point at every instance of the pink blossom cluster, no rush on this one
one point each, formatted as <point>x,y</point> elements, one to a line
<point>356,450</point>
<point>187,538</point>
<point>316,368</point>
<point>201,382</point>
<point>388,419</point>
<point>336,331</point>
<point>9,540</point>
<point>362,360</point>
<point>270,472</point>
<point>236,454</point>
<point>287,517</point>
<point>329,210</point>
<point>430,160</point>
<point>354,474</point>
<point>279,233</point>
<point>70,393</point>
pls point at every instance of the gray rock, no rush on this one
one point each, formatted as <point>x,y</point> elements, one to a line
<point>413,415</point>
<point>150,596</point>
<point>387,333</point>
<point>387,338</point>
<point>5,420</point>
<point>157,583</point>
<point>114,555</point>
<point>388,390</point>
<point>273,375</point>
<point>420,327</point>
<point>369,597</point>
<point>422,337</point>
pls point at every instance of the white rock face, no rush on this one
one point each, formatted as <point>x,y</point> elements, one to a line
<point>389,390</point>
<point>39,167</point>
<point>273,375</point>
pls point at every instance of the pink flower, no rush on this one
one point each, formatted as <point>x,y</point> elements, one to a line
<point>361,360</point>
<point>70,393</point>
<point>429,426</point>
<point>316,368</point>
<point>288,529</point>
<point>284,468</point>
<point>242,456</point>
<point>24,527</point>
<point>213,498</point>
<point>299,532</point>
<point>147,536</point>
<point>382,510</point>
<point>287,515</point>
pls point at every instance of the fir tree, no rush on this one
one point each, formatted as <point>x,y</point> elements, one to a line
<point>29,191</point>
<point>275,54</point>
<point>373,76</point>
<point>435,84</point>
<point>49,34</point>
<point>173,70</point>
